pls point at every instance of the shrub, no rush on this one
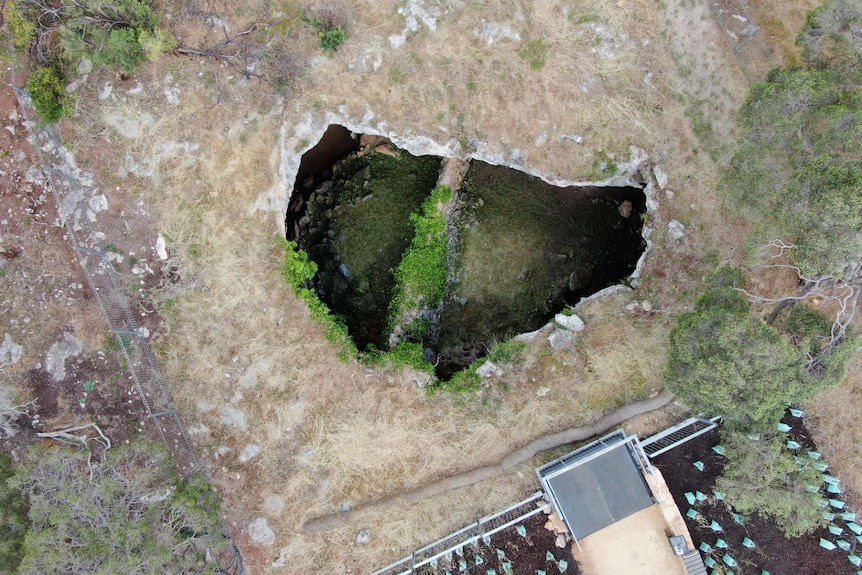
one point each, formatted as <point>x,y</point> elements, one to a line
<point>534,53</point>
<point>20,28</point>
<point>47,87</point>
<point>331,35</point>
<point>128,514</point>
<point>13,518</point>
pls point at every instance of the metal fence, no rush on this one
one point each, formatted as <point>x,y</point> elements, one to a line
<point>108,289</point>
<point>663,441</point>
<point>473,535</point>
<point>744,36</point>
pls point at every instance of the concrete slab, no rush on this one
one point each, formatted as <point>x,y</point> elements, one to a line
<point>636,544</point>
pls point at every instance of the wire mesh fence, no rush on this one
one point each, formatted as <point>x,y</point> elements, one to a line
<point>744,36</point>
<point>108,288</point>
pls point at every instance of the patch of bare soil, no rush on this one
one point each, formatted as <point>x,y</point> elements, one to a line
<point>523,549</point>
<point>44,295</point>
<point>773,552</point>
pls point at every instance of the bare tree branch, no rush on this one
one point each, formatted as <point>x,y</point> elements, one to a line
<point>844,293</point>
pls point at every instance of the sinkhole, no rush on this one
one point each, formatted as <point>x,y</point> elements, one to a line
<point>515,250</point>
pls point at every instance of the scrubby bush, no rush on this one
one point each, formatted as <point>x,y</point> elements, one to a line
<point>724,360</point>
<point>797,172</point>
<point>130,513</point>
<point>831,37</point>
<point>331,35</point>
<point>20,28</point>
<point>47,87</point>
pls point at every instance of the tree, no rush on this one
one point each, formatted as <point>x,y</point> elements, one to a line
<point>762,476</point>
<point>723,360</point>
<point>129,514</point>
<point>797,173</point>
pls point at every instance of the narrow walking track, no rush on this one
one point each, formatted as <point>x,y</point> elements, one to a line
<point>507,464</point>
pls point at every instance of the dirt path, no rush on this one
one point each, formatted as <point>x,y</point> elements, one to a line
<point>506,465</point>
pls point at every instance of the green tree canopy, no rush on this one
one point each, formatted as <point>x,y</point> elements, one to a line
<point>797,169</point>
<point>724,360</point>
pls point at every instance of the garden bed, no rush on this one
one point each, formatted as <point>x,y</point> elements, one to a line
<point>526,548</point>
<point>771,551</point>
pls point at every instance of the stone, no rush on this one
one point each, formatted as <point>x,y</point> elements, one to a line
<point>273,504</point>
<point>98,203</point>
<point>625,209</point>
<point>560,541</point>
<point>250,451</point>
<point>488,369</point>
<point>10,352</point>
<point>660,177</point>
<point>633,306</point>
<point>557,525</point>
<point>249,378</point>
<point>570,322</point>
<point>260,532</point>
<point>646,306</point>
<point>85,66</point>
<point>675,230</point>
<point>161,248</point>
<point>363,537</point>
<point>172,95</point>
<point>543,391</point>
<point>529,337</point>
<point>59,352</point>
<point>560,339</point>
<point>420,378</point>
<point>233,417</point>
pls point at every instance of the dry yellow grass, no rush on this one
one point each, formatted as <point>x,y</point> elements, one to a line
<point>334,433</point>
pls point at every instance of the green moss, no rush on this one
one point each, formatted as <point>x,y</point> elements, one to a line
<point>297,271</point>
<point>421,276</point>
<point>467,380</point>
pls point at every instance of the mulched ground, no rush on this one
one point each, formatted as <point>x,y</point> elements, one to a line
<point>773,552</point>
<point>510,553</point>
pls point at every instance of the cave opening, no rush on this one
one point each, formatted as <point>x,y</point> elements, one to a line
<point>520,249</point>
